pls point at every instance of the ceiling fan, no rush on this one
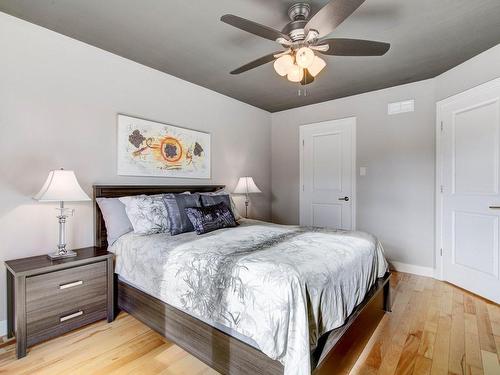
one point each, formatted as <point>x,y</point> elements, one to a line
<point>301,38</point>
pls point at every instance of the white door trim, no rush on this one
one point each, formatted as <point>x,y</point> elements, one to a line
<point>438,273</point>
<point>353,164</point>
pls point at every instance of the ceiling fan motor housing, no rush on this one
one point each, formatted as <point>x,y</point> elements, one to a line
<point>299,11</point>
<point>298,14</point>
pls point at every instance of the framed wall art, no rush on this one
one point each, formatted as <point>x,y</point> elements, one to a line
<point>149,148</point>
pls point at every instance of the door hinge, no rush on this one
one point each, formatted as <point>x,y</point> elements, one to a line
<point>303,143</point>
<point>441,251</point>
<point>303,188</point>
<point>441,125</point>
<point>441,189</point>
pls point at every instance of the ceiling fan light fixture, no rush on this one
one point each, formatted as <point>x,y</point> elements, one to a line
<point>283,65</point>
<point>304,57</point>
<point>317,66</point>
<point>295,74</point>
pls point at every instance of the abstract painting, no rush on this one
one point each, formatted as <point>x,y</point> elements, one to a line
<point>148,148</point>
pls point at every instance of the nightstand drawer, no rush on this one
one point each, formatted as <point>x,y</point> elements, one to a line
<point>56,291</point>
<point>41,326</point>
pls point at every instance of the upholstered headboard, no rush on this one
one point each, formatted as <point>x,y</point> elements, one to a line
<point>116,191</point>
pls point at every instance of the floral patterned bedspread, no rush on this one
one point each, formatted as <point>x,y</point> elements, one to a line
<point>280,286</point>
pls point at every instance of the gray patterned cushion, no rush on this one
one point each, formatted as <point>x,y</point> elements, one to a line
<point>175,204</point>
<point>213,199</point>
<point>210,218</point>
<point>209,199</point>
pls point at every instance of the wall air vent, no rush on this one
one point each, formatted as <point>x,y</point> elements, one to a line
<point>401,107</point>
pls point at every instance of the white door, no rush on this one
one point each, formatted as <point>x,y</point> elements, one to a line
<point>469,163</point>
<point>327,174</point>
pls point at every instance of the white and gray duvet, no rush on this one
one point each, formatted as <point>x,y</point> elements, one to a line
<point>280,286</point>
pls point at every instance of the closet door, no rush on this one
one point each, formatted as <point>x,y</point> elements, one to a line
<point>327,172</point>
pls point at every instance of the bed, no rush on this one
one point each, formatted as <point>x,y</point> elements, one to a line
<point>173,284</point>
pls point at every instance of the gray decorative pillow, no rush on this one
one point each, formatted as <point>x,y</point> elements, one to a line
<point>115,218</point>
<point>213,199</point>
<point>209,199</point>
<point>175,204</point>
<point>210,218</point>
<point>147,213</point>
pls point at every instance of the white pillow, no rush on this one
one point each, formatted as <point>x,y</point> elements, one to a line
<point>115,218</point>
<point>147,213</point>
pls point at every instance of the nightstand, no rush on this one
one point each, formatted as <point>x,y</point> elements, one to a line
<point>46,298</point>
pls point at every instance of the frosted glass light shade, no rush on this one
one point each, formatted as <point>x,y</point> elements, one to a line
<point>295,74</point>
<point>246,185</point>
<point>61,186</point>
<point>283,64</point>
<point>304,57</point>
<point>317,66</point>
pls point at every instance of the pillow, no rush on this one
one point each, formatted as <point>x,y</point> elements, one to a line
<point>147,213</point>
<point>210,218</point>
<point>213,199</point>
<point>175,205</point>
<point>209,199</point>
<point>115,218</point>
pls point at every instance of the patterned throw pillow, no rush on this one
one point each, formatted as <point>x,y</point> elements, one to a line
<point>209,199</point>
<point>147,213</point>
<point>175,204</point>
<point>210,218</point>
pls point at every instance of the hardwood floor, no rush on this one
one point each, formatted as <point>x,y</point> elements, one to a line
<point>434,328</point>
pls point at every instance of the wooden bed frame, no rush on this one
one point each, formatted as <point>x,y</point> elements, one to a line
<point>337,350</point>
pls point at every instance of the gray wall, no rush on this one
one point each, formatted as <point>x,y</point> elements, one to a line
<point>58,104</point>
<point>395,200</point>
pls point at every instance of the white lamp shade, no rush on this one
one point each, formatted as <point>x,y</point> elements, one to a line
<point>246,185</point>
<point>61,186</point>
<point>283,64</point>
<point>295,74</point>
<point>317,66</point>
<point>304,57</point>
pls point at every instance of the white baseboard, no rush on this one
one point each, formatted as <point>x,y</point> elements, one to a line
<point>411,268</point>
<point>3,328</point>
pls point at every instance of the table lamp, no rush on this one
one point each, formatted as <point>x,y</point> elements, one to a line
<point>246,185</point>
<point>62,186</point>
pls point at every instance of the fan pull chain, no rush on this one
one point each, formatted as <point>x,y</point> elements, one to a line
<point>303,91</point>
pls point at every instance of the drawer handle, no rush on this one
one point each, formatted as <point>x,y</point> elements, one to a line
<point>70,316</point>
<point>71,285</point>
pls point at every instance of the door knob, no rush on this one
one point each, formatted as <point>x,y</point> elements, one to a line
<point>344,199</point>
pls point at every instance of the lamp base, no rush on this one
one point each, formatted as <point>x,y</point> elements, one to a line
<point>57,255</point>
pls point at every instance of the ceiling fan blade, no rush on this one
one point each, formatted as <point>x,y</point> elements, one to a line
<point>332,15</point>
<point>253,27</point>
<point>353,47</point>
<point>254,64</point>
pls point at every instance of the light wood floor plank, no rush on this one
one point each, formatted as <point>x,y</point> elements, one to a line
<point>486,338</point>
<point>434,328</point>
<point>472,347</point>
<point>456,360</point>
<point>422,366</point>
<point>442,347</point>
<point>491,365</point>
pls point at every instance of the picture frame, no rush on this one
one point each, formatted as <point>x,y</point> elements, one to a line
<point>150,148</point>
